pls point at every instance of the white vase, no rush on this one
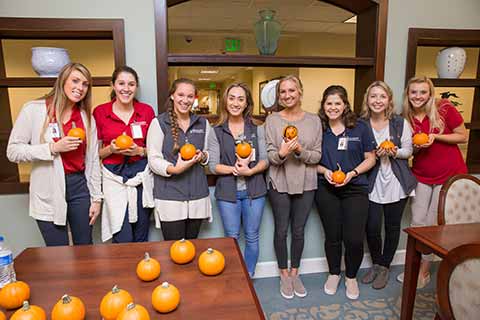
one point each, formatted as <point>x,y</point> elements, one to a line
<point>451,62</point>
<point>47,62</point>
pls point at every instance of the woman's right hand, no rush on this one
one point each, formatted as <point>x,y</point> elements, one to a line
<point>182,165</point>
<point>328,176</point>
<point>66,144</point>
<point>287,147</point>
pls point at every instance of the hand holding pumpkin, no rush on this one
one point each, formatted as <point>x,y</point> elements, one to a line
<point>66,144</point>
<point>241,167</point>
<point>287,147</point>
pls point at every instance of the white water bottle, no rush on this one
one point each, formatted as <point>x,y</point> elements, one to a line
<point>7,272</point>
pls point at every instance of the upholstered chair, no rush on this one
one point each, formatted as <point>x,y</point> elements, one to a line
<point>459,200</point>
<point>458,284</point>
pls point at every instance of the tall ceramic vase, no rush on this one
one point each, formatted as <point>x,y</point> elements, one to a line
<point>451,62</point>
<point>47,62</point>
<point>267,32</point>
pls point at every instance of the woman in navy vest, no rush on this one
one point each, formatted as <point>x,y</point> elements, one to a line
<point>241,189</point>
<point>180,188</point>
<point>343,207</point>
<point>390,182</point>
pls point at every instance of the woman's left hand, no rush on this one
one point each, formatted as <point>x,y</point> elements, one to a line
<point>94,212</point>
<point>348,177</point>
<point>393,152</point>
<point>134,150</point>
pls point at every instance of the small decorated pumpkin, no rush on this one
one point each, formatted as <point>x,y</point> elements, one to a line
<point>182,251</point>
<point>211,262</point>
<point>148,268</point>
<point>13,294</point>
<point>123,141</point>
<point>387,145</point>
<point>290,132</point>
<point>114,302</point>
<point>188,151</point>
<point>243,149</point>
<point>420,138</point>
<point>134,312</point>
<point>68,308</point>
<point>29,312</point>
<point>338,176</point>
<point>76,132</point>
<point>165,298</point>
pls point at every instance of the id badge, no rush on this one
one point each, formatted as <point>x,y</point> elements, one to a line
<point>342,143</point>
<point>137,132</point>
<point>54,129</point>
<point>252,159</point>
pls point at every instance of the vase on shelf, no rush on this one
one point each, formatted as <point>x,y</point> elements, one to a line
<point>451,62</point>
<point>47,61</point>
<point>267,32</point>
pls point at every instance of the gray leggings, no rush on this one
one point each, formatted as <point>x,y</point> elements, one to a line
<point>295,208</point>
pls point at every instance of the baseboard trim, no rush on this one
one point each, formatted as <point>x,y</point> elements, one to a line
<point>314,265</point>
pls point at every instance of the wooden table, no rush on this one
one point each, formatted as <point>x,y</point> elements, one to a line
<point>433,239</point>
<point>89,272</point>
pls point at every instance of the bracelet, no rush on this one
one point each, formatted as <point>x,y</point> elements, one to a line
<point>356,172</point>
<point>50,146</point>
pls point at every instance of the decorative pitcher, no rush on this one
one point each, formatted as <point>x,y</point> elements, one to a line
<point>47,62</point>
<point>451,62</point>
<point>267,32</point>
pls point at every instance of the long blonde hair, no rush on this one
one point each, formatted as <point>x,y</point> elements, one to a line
<point>59,99</point>
<point>247,112</point>
<point>436,121</point>
<point>291,77</point>
<point>366,112</point>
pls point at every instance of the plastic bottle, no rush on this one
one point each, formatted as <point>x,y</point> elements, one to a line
<point>7,272</point>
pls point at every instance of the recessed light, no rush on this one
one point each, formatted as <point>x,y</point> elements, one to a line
<point>204,79</point>
<point>209,71</point>
<point>351,20</point>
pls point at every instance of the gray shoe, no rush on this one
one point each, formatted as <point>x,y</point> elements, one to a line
<point>286,287</point>
<point>382,278</point>
<point>371,274</point>
<point>298,287</point>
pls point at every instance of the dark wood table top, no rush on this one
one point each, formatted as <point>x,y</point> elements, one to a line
<point>89,272</point>
<point>441,239</point>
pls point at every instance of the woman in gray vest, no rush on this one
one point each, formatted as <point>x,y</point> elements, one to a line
<point>241,189</point>
<point>180,188</point>
<point>390,181</point>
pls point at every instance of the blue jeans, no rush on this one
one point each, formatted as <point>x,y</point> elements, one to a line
<point>249,211</point>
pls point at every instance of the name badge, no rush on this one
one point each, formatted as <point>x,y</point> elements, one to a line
<point>342,143</point>
<point>54,129</point>
<point>137,132</point>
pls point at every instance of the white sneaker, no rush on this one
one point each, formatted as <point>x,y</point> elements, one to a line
<point>352,291</point>
<point>331,285</point>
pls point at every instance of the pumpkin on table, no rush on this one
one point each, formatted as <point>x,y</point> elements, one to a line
<point>114,302</point>
<point>29,312</point>
<point>211,262</point>
<point>134,312</point>
<point>182,251</point>
<point>68,308</point>
<point>165,298</point>
<point>13,294</point>
<point>148,268</point>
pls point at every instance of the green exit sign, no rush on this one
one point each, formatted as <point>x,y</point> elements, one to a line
<point>232,45</point>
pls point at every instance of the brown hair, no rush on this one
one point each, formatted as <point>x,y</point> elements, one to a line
<point>247,112</point>
<point>349,118</point>
<point>117,72</point>
<point>171,112</point>
<point>366,112</point>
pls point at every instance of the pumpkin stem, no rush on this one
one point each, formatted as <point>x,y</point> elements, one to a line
<point>339,168</point>
<point>209,250</point>
<point>165,285</point>
<point>25,305</point>
<point>147,256</point>
<point>182,240</point>
<point>73,124</point>
<point>66,299</point>
<point>130,306</point>
<point>115,289</point>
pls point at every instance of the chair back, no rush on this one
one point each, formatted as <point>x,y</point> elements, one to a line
<point>458,284</point>
<point>459,200</point>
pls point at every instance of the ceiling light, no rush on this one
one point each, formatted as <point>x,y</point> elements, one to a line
<point>204,79</point>
<point>209,71</point>
<point>351,20</point>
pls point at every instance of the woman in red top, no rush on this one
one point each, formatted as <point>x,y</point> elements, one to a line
<point>126,179</point>
<point>435,161</point>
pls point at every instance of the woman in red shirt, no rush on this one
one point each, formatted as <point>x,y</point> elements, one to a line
<point>435,161</point>
<point>127,182</point>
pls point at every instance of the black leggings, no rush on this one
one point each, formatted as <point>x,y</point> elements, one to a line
<point>393,218</point>
<point>343,212</point>
<point>286,207</point>
<point>181,229</point>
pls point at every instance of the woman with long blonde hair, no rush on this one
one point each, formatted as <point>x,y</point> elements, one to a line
<point>437,160</point>
<point>69,164</point>
<point>240,189</point>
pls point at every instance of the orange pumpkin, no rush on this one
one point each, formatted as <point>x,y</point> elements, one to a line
<point>68,308</point>
<point>29,312</point>
<point>123,141</point>
<point>182,251</point>
<point>165,298</point>
<point>188,151</point>
<point>114,302</point>
<point>148,269</point>
<point>134,312</point>
<point>2,316</point>
<point>13,294</point>
<point>211,262</point>
<point>420,138</point>
<point>76,132</point>
<point>243,149</point>
<point>338,176</point>
<point>290,132</point>
<point>387,145</point>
